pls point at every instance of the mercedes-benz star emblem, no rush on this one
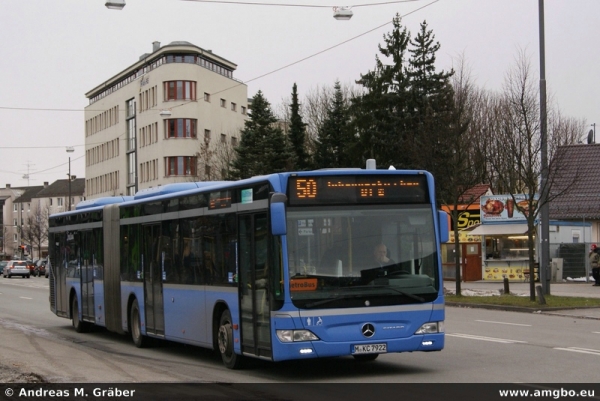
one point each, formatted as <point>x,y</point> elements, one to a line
<point>368,330</point>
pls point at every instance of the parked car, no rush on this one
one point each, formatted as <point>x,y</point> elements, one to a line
<point>16,268</point>
<point>3,265</point>
<point>40,268</point>
<point>31,266</point>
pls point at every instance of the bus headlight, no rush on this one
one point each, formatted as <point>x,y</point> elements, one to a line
<point>430,328</point>
<point>288,336</point>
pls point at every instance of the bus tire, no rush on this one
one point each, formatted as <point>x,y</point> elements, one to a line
<point>78,325</point>
<point>140,340</point>
<point>230,359</point>
<point>365,357</point>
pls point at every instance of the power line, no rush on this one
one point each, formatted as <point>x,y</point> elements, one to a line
<point>322,51</point>
<point>248,3</point>
<point>277,69</point>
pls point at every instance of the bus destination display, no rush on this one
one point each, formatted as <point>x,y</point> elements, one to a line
<point>357,189</point>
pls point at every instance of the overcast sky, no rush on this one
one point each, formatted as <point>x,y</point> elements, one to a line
<point>54,51</point>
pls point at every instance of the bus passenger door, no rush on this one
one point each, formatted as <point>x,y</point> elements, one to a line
<point>255,320</point>
<point>153,275</point>
<point>87,274</point>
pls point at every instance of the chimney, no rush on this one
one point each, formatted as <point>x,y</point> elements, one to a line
<point>155,46</point>
<point>45,184</point>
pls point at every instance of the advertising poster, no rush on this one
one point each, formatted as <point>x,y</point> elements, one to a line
<point>498,273</point>
<point>505,208</point>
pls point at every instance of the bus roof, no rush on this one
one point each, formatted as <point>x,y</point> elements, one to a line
<point>90,203</point>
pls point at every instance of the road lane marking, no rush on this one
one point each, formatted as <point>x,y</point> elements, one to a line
<point>511,324</point>
<point>581,350</point>
<point>482,338</point>
<point>25,298</point>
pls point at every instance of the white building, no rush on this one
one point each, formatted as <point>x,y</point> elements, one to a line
<point>161,120</point>
<point>24,215</point>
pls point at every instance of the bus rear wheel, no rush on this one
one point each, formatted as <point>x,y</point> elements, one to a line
<point>140,340</point>
<point>230,359</point>
<point>80,326</point>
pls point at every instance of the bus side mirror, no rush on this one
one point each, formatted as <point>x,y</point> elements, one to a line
<point>277,208</point>
<point>443,226</point>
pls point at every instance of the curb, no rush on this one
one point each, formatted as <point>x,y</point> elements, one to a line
<point>550,310</point>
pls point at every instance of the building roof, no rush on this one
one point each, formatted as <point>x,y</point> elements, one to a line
<point>30,192</point>
<point>158,51</point>
<point>472,195</point>
<point>575,183</point>
<point>61,188</point>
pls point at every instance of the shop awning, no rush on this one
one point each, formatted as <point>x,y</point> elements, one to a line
<point>499,229</point>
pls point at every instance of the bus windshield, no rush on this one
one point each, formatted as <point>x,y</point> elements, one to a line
<point>347,256</point>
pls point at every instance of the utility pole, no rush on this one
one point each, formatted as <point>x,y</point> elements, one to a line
<point>544,266</point>
<point>70,150</point>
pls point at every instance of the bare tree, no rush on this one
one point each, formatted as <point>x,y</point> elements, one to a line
<point>35,230</point>
<point>460,173</point>
<point>214,158</point>
<point>517,144</point>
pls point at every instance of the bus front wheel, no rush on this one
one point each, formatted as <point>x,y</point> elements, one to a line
<point>230,359</point>
<point>140,340</point>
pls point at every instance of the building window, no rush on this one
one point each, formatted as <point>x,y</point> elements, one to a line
<point>59,201</point>
<point>181,128</point>
<point>181,165</point>
<point>180,90</point>
<point>130,106</point>
<point>206,135</point>
<point>233,106</point>
<point>223,103</point>
<point>234,141</point>
<point>131,170</point>
<point>243,110</point>
<point>207,97</point>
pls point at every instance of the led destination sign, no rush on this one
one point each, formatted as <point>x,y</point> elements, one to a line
<point>357,189</point>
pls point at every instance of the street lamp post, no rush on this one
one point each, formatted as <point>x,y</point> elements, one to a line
<point>70,150</point>
<point>544,268</point>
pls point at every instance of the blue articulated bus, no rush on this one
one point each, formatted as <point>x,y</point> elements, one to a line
<point>276,267</point>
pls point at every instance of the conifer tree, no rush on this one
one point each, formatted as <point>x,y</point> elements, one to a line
<point>333,138</point>
<point>297,133</point>
<point>432,107</point>
<point>263,147</point>
<point>381,114</point>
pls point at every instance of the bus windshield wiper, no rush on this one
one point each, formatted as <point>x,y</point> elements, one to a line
<point>347,296</point>
<point>336,298</point>
<point>406,294</point>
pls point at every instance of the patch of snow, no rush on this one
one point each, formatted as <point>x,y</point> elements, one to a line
<point>589,279</point>
<point>467,292</point>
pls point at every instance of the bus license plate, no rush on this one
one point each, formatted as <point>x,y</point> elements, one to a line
<point>370,349</point>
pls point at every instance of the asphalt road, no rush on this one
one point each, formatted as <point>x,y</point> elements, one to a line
<point>482,346</point>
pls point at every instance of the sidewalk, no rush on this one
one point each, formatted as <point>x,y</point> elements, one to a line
<point>564,289</point>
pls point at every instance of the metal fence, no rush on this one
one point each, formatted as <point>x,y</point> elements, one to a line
<point>569,261</point>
